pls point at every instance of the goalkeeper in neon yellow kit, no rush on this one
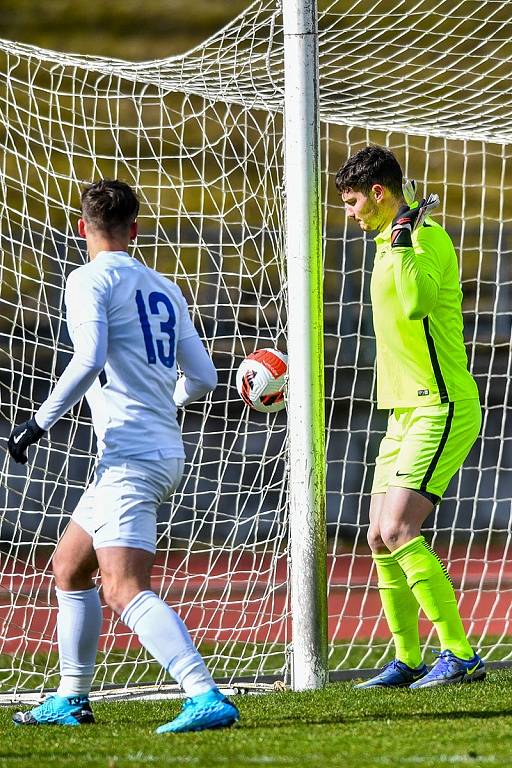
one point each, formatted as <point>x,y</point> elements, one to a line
<point>435,415</point>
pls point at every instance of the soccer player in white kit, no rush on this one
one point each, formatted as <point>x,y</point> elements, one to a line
<point>131,325</point>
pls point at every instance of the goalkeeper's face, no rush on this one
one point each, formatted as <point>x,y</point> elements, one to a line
<point>365,210</point>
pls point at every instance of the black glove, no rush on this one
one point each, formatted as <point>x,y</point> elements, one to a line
<point>21,437</point>
<point>409,219</point>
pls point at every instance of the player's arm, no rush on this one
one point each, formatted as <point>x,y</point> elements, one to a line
<point>89,358</point>
<point>198,372</point>
<point>89,332</point>
<point>90,354</point>
<point>417,267</point>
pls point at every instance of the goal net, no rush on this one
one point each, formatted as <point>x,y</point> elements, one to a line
<point>200,137</point>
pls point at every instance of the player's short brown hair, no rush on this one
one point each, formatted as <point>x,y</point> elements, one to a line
<point>371,165</point>
<point>109,205</point>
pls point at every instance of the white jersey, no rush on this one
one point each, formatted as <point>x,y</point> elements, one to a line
<point>146,316</point>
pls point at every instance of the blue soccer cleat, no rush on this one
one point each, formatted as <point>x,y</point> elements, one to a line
<point>209,710</point>
<point>58,710</point>
<point>396,674</point>
<point>449,669</point>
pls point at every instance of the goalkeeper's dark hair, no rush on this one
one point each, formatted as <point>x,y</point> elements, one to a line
<point>109,205</point>
<point>371,165</point>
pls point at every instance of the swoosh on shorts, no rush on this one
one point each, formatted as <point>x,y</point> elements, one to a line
<point>99,529</point>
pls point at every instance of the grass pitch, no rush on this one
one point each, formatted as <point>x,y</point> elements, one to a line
<point>456,725</point>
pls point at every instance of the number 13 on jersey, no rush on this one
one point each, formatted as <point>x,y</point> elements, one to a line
<point>155,301</point>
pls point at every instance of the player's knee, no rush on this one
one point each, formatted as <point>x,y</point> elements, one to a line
<point>117,593</point>
<point>61,570</point>
<point>113,594</point>
<point>68,576</point>
<point>375,541</point>
<point>394,535</point>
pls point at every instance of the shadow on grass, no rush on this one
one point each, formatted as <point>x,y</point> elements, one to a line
<point>407,717</point>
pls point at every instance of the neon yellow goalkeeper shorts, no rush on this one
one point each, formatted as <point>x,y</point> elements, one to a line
<point>424,447</point>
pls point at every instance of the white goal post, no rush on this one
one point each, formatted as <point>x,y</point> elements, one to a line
<point>202,139</point>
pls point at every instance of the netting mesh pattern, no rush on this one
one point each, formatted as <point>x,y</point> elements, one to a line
<point>471,527</point>
<point>200,137</point>
<point>209,178</point>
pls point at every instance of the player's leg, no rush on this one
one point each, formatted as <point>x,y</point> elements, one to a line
<point>404,512</point>
<point>398,602</point>
<point>438,440</point>
<point>80,616</point>
<point>400,606</point>
<point>403,516</point>
<point>125,576</point>
<point>125,547</point>
<point>78,629</point>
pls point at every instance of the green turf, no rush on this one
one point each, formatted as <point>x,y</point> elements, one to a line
<point>457,725</point>
<point>225,661</point>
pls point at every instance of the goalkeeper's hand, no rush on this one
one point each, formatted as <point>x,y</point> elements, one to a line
<point>409,219</point>
<point>21,437</point>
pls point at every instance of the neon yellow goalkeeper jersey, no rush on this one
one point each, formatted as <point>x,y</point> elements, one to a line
<point>417,318</point>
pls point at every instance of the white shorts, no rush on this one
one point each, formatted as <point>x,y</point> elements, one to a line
<point>119,507</point>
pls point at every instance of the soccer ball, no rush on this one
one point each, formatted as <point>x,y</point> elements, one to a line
<point>260,380</point>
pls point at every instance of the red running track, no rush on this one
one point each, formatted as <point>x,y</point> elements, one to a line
<point>244,599</point>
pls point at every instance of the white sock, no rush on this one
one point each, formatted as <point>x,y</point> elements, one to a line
<point>78,632</point>
<point>162,632</point>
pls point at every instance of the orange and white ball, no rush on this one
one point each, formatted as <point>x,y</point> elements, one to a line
<point>261,378</point>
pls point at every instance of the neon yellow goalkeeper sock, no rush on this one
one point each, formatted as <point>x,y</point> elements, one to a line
<point>400,608</point>
<point>433,589</point>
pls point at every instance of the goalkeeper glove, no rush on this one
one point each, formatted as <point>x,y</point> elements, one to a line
<point>409,219</point>
<point>409,191</point>
<point>21,437</point>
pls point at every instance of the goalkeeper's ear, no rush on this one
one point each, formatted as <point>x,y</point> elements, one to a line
<point>377,191</point>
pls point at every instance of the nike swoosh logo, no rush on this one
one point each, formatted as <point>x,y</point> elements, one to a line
<point>18,437</point>
<point>470,671</point>
<point>101,526</point>
<point>402,474</point>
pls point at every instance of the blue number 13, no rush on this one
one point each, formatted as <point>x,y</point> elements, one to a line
<point>167,326</point>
